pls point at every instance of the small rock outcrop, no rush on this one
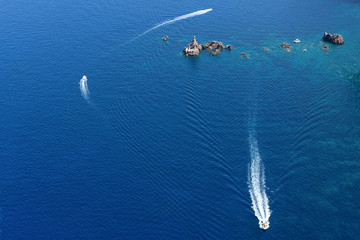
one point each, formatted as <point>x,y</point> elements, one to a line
<point>333,38</point>
<point>210,46</point>
<point>326,47</point>
<point>216,52</point>
<point>243,54</point>
<point>215,47</point>
<point>285,45</point>
<point>193,49</point>
<point>165,38</point>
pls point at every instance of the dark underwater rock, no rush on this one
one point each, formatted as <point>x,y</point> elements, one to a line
<point>285,45</point>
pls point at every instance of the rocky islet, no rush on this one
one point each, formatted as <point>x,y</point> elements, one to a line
<point>333,38</point>
<point>194,48</point>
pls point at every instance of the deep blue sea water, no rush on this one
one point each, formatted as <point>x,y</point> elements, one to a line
<point>160,149</point>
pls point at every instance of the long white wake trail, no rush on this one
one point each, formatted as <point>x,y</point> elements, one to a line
<point>182,17</point>
<point>257,187</point>
<point>84,88</point>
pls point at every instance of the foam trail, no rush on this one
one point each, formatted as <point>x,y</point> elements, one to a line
<point>257,187</point>
<point>189,15</point>
<point>84,88</point>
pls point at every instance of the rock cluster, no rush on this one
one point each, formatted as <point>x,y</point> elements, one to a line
<point>215,47</point>
<point>333,38</point>
<point>210,46</point>
<point>243,54</point>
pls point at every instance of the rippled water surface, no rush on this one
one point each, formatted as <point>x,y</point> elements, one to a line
<point>155,145</point>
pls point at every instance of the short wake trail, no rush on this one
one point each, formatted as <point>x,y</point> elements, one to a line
<point>257,187</point>
<point>84,88</point>
<point>182,17</point>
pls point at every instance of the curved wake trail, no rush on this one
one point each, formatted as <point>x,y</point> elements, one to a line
<point>257,187</point>
<point>182,17</point>
<point>84,88</point>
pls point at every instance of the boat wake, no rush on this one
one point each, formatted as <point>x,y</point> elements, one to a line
<point>84,88</point>
<point>257,187</point>
<point>182,17</point>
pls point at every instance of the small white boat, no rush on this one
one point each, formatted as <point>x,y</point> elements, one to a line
<point>296,41</point>
<point>264,226</point>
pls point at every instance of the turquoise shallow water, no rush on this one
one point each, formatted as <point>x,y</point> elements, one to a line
<point>160,150</point>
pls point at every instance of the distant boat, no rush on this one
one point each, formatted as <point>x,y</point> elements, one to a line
<point>296,41</point>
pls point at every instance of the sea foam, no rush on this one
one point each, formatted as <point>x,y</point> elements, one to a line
<point>84,87</point>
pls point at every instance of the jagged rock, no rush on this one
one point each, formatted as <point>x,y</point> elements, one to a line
<point>165,38</point>
<point>335,38</point>
<point>193,49</point>
<point>285,45</point>
<point>326,47</point>
<point>210,46</point>
<point>243,54</point>
<point>216,52</point>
